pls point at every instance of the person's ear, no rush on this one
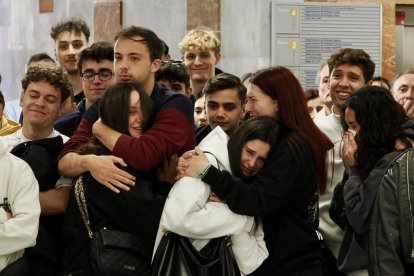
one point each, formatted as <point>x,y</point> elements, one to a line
<point>188,91</point>
<point>369,83</point>
<point>21,99</point>
<point>218,58</point>
<point>155,65</point>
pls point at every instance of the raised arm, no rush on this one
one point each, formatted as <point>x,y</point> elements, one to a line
<point>272,188</point>
<point>172,132</point>
<point>102,168</point>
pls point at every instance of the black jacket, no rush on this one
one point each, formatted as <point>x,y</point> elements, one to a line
<point>284,195</point>
<point>391,227</point>
<point>136,211</point>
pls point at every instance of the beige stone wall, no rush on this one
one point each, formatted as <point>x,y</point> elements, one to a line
<point>203,13</point>
<point>107,19</point>
<point>388,30</point>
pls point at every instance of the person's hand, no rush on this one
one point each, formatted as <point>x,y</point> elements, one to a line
<point>214,198</point>
<point>167,172</point>
<point>103,169</point>
<point>348,150</point>
<point>9,215</point>
<point>408,106</point>
<point>400,146</point>
<point>191,163</point>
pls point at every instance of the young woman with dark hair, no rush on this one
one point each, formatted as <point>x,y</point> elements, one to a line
<point>379,121</point>
<point>127,108</point>
<point>378,130</point>
<point>191,211</point>
<point>284,193</point>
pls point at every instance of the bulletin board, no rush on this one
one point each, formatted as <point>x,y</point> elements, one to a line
<point>305,34</point>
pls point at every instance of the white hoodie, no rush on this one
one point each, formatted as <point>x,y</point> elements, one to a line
<point>19,185</point>
<point>188,213</point>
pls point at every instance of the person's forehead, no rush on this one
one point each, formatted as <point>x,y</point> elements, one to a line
<point>106,63</point>
<point>69,36</point>
<point>230,95</point>
<point>404,79</point>
<point>133,40</point>
<point>198,50</point>
<point>44,88</point>
<point>325,71</point>
<point>133,45</point>
<point>349,67</point>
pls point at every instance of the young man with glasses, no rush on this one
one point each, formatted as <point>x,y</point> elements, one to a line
<point>95,67</point>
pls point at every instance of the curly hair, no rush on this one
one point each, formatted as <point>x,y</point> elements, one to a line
<point>357,57</point>
<point>73,24</point>
<point>55,77</point>
<point>200,38</point>
<point>380,118</point>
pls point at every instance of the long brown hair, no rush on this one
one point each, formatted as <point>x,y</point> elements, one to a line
<point>114,112</point>
<point>281,85</point>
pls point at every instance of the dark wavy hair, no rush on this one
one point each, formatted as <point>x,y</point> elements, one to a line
<point>55,77</point>
<point>263,128</point>
<point>73,24</point>
<point>380,118</point>
<point>281,84</point>
<point>114,112</point>
<point>357,57</point>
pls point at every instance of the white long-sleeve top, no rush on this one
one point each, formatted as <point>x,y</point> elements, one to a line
<point>188,213</point>
<point>19,185</point>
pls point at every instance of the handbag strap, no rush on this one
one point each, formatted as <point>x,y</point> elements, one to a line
<point>218,164</point>
<point>81,202</point>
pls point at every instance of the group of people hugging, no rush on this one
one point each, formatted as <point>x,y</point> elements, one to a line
<point>278,183</point>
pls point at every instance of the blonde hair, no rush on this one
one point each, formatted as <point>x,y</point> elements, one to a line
<point>200,38</point>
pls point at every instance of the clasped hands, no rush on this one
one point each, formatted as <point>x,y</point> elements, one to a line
<point>191,163</point>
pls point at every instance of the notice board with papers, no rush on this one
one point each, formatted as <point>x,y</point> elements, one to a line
<point>305,34</point>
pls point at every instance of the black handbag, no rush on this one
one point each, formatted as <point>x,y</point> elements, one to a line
<point>113,252</point>
<point>176,256</point>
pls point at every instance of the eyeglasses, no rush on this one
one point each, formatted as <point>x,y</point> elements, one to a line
<point>172,62</point>
<point>103,74</point>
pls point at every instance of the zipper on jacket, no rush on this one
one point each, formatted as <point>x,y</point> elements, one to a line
<point>411,210</point>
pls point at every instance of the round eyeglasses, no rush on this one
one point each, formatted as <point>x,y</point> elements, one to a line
<point>103,75</point>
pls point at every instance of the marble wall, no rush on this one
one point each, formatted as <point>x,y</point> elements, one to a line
<point>243,26</point>
<point>245,35</point>
<point>24,31</point>
<point>168,19</point>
